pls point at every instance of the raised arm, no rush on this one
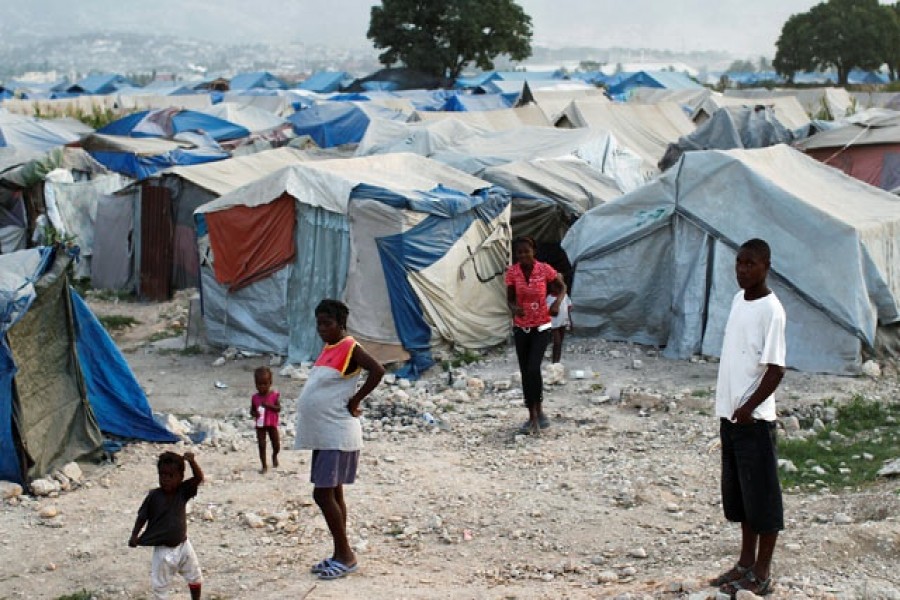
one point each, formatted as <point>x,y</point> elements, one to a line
<point>196,471</point>
<point>375,373</point>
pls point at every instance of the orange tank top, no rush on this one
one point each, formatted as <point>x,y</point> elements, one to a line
<point>337,356</point>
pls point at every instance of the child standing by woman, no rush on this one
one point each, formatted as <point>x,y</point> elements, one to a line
<point>265,408</point>
<point>560,308</point>
<point>327,424</point>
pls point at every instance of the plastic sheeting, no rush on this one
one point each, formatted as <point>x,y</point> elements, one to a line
<point>332,124</point>
<point>54,420</point>
<point>169,122</point>
<point>657,265</point>
<point>729,128</point>
<point>119,404</point>
<point>472,149</point>
<point>428,266</point>
<point>250,243</point>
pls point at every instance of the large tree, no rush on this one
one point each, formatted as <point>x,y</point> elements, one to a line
<point>441,37</point>
<point>838,34</point>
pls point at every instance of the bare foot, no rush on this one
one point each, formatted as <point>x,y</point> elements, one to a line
<point>264,470</point>
<point>275,461</point>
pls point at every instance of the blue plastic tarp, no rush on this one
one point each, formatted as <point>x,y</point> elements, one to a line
<point>158,123</point>
<point>119,404</point>
<point>331,124</point>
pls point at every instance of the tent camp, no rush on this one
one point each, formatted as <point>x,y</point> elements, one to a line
<point>657,266</point>
<point>867,147</point>
<point>397,236</point>
<point>63,382</point>
<point>820,103</point>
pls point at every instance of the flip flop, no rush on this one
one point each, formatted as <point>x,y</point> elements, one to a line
<point>544,422</point>
<point>320,566</point>
<point>336,569</point>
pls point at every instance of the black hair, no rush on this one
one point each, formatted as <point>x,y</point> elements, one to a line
<point>170,459</point>
<point>759,248</point>
<point>334,309</point>
<point>260,371</point>
<point>524,239</point>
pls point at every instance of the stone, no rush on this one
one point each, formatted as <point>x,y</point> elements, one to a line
<point>389,379</point>
<point>791,424</point>
<point>787,466</point>
<point>48,512</point>
<point>502,385</point>
<point>818,425</point>
<point>72,471</point>
<point>404,384</point>
<point>871,369</point>
<point>890,469</point>
<point>637,553</point>
<point>842,519</point>
<point>637,364</point>
<point>607,577</point>
<point>219,362</point>
<point>44,487</point>
<point>554,374</point>
<point>9,489</point>
<point>475,387</point>
<point>672,507</point>
<point>254,521</point>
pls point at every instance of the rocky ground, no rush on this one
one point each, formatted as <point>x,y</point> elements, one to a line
<point>618,499</point>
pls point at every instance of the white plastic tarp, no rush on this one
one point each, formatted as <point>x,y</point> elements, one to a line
<point>657,265</point>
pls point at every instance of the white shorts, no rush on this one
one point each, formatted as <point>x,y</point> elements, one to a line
<point>169,562</point>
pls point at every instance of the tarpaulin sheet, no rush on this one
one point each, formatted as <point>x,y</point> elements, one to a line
<point>251,243</point>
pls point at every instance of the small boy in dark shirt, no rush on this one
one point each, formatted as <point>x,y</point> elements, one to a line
<point>164,513</point>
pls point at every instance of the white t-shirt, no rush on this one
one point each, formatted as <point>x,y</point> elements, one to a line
<point>754,338</point>
<point>562,318</point>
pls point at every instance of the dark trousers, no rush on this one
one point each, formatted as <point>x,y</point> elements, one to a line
<point>530,348</point>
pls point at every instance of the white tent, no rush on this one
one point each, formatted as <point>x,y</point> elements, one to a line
<point>657,266</point>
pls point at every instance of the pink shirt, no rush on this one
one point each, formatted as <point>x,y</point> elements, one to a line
<point>531,294</point>
<point>270,419</point>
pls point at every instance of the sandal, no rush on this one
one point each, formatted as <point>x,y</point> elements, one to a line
<point>732,574</point>
<point>544,422</point>
<point>320,566</point>
<point>336,569</point>
<point>749,582</point>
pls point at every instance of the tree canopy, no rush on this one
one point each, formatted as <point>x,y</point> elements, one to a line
<point>441,37</point>
<point>839,34</point>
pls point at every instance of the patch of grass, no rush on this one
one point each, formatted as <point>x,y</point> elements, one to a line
<point>165,334</point>
<point>700,393</point>
<point>862,427</point>
<point>459,359</point>
<point>117,322</point>
<point>82,594</point>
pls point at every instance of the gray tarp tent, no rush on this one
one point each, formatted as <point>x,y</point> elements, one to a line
<point>657,266</point>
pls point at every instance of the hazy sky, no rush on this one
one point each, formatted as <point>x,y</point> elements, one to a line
<point>743,28</point>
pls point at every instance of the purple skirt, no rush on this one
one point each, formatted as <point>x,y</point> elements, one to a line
<point>331,468</point>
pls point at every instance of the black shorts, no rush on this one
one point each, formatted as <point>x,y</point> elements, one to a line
<point>751,491</point>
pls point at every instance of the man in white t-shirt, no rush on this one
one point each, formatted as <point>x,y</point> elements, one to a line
<point>751,367</point>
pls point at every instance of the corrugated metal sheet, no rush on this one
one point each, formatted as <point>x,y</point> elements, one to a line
<point>157,240</point>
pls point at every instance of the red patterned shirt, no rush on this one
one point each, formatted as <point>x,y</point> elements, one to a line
<point>531,294</point>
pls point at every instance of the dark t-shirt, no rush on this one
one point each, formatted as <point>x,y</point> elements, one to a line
<point>166,515</point>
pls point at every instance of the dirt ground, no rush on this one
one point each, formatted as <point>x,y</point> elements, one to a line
<point>616,499</point>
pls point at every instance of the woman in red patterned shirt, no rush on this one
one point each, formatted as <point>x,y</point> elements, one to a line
<point>526,295</point>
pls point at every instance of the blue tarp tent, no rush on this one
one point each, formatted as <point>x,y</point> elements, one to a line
<point>141,158</point>
<point>668,80</point>
<point>331,124</point>
<point>105,83</point>
<point>62,380</point>
<point>325,82</point>
<point>167,123</point>
<point>256,80</point>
